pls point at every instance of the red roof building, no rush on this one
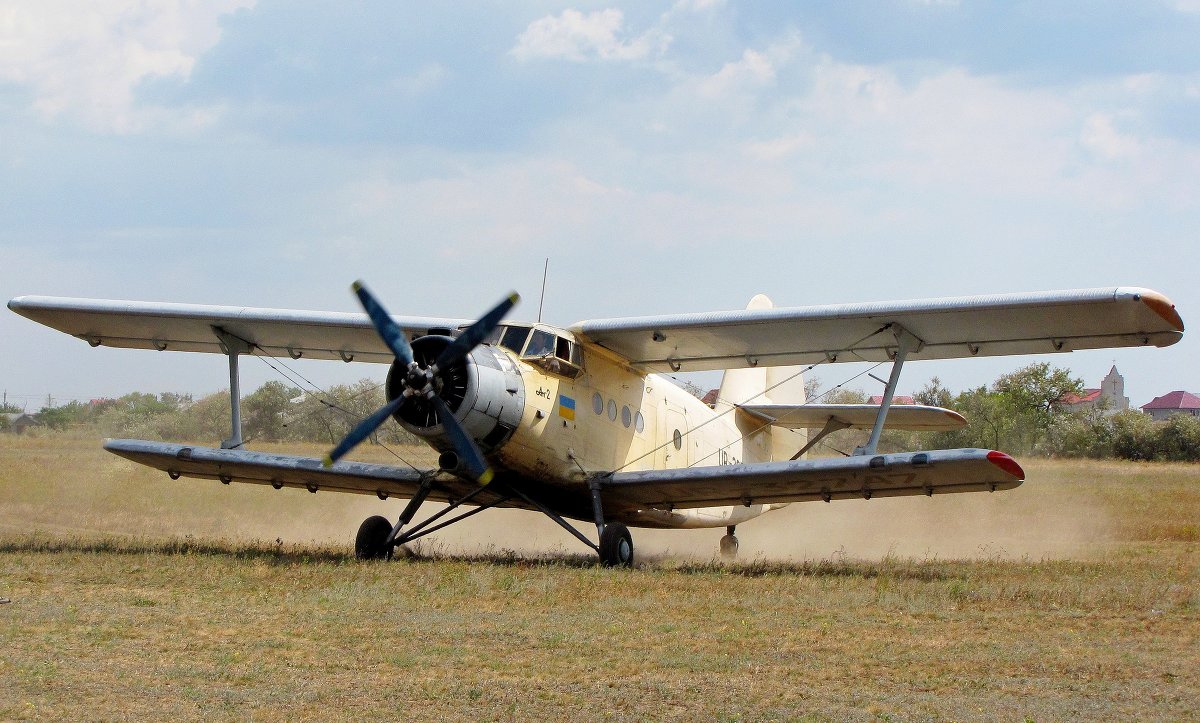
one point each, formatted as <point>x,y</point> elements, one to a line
<point>1108,399</point>
<point>898,399</point>
<point>1178,402</point>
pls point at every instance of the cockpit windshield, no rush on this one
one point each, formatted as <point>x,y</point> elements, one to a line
<point>558,354</point>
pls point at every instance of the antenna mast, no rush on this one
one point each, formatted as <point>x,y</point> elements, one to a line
<point>545,271</point>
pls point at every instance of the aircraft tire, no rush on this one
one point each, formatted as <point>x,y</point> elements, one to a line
<point>369,544</point>
<point>616,546</point>
<point>729,547</point>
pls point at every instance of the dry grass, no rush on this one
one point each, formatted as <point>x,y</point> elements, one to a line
<point>136,597</point>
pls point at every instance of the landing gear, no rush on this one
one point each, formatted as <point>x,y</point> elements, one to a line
<point>729,543</point>
<point>377,538</point>
<point>616,546</point>
<point>372,540</point>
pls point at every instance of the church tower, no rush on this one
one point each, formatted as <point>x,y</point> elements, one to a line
<point>1112,390</point>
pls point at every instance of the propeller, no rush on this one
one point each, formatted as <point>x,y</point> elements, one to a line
<point>423,382</point>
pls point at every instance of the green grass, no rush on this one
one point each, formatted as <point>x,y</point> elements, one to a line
<point>133,596</point>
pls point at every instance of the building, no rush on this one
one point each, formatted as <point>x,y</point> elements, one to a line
<point>23,422</point>
<point>1171,404</point>
<point>1108,399</point>
<point>877,400</point>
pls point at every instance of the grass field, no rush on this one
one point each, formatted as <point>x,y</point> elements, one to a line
<point>1076,596</point>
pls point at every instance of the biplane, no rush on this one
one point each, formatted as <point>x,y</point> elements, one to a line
<point>584,423</point>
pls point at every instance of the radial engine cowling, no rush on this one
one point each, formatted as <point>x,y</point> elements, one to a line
<point>484,391</point>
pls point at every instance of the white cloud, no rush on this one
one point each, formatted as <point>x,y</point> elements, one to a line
<point>85,60</point>
<point>1101,137</point>
<point>578,37</point>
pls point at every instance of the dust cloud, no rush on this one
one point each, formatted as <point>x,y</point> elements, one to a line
<point>1027,522</point>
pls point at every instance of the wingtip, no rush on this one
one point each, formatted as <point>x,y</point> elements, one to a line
<point>1162,306</point>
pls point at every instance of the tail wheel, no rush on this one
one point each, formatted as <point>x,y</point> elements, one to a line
<point>371,542</point>
<point>616,546</point>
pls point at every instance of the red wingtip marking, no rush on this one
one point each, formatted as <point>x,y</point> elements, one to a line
<point>1162,306</point>
<point>1006,463</point>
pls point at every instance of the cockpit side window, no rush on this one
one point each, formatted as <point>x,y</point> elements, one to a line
<point>562,349</point>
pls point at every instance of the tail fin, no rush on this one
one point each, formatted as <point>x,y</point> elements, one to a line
<point>779,385</point>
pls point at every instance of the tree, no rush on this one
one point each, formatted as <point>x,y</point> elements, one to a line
<point>266,411</point>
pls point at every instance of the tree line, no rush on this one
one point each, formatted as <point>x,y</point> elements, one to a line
<point>1018,413</point>
<point>1021,413</point>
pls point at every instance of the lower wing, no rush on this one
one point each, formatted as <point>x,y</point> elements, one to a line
<point>280,470</point>
<point>883,475</point>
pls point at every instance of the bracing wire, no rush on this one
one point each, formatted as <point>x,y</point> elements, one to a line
<point>732,407</point>
<point>323,395</point>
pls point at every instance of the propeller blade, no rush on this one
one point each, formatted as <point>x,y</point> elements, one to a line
<point>388,330</point>
<point>362,431</point>
<point>468,451</point>
<point>475,333</point>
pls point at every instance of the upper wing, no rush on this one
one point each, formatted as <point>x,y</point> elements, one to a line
<point>884,475</point>
<point>190,327</point>
<point>1033,323</point>
<point>915,417</point>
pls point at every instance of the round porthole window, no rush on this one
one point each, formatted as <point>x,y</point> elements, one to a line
<point>639,422</point>
<point>626,417</point>
<point>678,438</point>
<point>612,410</point>
<point>597,403</point>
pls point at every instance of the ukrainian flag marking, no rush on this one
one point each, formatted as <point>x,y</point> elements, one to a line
<point>566,407</point>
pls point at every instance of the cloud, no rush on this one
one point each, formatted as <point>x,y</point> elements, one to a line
<point>577,37</point>
<point>1101,138</point>
<point>85,60</point>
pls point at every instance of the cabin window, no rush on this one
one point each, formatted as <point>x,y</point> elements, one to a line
<point>677,438</point>
<point>612,410</point>
<point>639,422</point>
<point>626,417</point>
<point>597,403</point>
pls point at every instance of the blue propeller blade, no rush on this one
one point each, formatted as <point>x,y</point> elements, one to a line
<point>389,331</point>
<point>362,431</point>
<point>475,333</point>
<point>472,458</point>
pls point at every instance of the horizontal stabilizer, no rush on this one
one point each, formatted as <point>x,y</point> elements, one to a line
<point>839,478</point>
<point>911,417</point>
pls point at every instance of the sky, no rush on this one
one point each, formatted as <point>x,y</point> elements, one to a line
<point>666,156</point>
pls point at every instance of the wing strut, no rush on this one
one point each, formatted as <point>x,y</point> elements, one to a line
<point>832,425</point>
<point>905,343</point>
<point>233,346</point>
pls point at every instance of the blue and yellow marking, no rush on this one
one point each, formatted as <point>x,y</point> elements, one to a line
<point>566,407</point>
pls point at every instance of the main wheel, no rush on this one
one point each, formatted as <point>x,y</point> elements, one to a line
<point>371,542</point>
<point>729,547</point>
<point>616,546</point>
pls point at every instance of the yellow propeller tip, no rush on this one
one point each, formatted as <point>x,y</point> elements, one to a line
<point>327,461</point>
<point>356,286</point>
<point>514,297</point>
<point>487,476</point>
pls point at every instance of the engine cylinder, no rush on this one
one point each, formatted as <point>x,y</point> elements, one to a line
<point>484,391</point>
